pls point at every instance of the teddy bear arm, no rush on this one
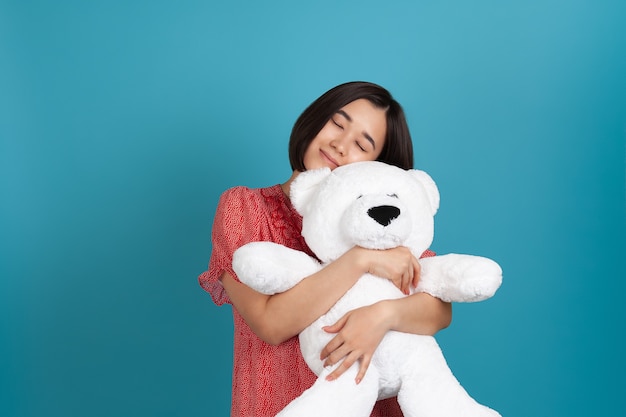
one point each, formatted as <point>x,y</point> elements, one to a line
<point>270,268</point>
<point>459,278</point>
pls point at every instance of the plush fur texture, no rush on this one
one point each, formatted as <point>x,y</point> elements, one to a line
<point>376,206</point>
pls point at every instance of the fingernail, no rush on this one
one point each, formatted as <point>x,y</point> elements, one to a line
<point>330,378</point>
<point>358,381</point>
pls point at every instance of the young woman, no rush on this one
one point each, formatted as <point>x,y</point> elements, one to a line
<point>356,121</point>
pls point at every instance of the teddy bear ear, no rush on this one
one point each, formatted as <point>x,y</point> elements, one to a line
<point>429,185</point>
<point>304,186</point>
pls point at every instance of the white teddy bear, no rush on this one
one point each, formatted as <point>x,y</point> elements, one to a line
<point>377,206</point>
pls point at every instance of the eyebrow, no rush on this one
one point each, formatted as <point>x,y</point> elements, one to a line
<point>365,134</point>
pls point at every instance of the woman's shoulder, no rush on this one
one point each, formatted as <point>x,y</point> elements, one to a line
<point>241,193</point>
<point>245,199</point>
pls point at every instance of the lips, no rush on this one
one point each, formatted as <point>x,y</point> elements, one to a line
<point>329,159</point>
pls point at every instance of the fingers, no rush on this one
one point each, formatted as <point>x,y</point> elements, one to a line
<point>412,275</point>
<point>330,349</point>
<point>347,363</point>
<point>343,367</point>
<point>358,334</point>
<point>336,341</point>
<point>397,265</point>
<point>336,328</point>
<point>341,351</point>
<point>417,270</point>
<point>365,363</point>
<point>407,279</point>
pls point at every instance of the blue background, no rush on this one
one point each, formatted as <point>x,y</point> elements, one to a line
<point>121,122</point>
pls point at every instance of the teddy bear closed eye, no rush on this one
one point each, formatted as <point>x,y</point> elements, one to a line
<point>376,206</point>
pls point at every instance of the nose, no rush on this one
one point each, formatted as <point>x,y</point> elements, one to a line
<point>338,145</point>
<point>384,215</point>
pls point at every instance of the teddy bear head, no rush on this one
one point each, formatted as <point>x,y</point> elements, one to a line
<point>368,204</point>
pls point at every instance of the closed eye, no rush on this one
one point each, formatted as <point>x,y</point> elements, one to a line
<point>394,195</point>
<point>342,114</point>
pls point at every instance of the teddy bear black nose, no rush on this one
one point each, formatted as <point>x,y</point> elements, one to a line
<point>384,214</point>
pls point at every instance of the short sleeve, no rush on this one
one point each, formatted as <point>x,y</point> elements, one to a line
<point>240,218</point>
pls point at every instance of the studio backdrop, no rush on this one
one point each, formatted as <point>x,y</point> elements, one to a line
<point>121,123</point>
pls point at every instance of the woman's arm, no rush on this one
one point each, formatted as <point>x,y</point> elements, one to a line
<point>360,331</point>
<point>420,313</point>
<point>276,318</point>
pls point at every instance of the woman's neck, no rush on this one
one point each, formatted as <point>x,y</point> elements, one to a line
<point>287,185</point>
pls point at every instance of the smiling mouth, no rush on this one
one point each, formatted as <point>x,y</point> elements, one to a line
<point>328,158</point>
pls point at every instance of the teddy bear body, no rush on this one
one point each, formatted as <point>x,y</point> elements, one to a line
<point>375,206</point>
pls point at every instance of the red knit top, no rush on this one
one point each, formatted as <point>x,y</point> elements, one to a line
<point>265,378</point>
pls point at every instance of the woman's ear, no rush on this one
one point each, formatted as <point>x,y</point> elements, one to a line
<point>304,187</point>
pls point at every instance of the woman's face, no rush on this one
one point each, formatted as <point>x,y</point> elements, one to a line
<point>356,132</point>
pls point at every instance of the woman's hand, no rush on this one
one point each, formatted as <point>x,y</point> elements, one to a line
<point>359,333</point>
<point>398,265</point>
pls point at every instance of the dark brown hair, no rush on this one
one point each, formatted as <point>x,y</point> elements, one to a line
<point>398,148</point>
